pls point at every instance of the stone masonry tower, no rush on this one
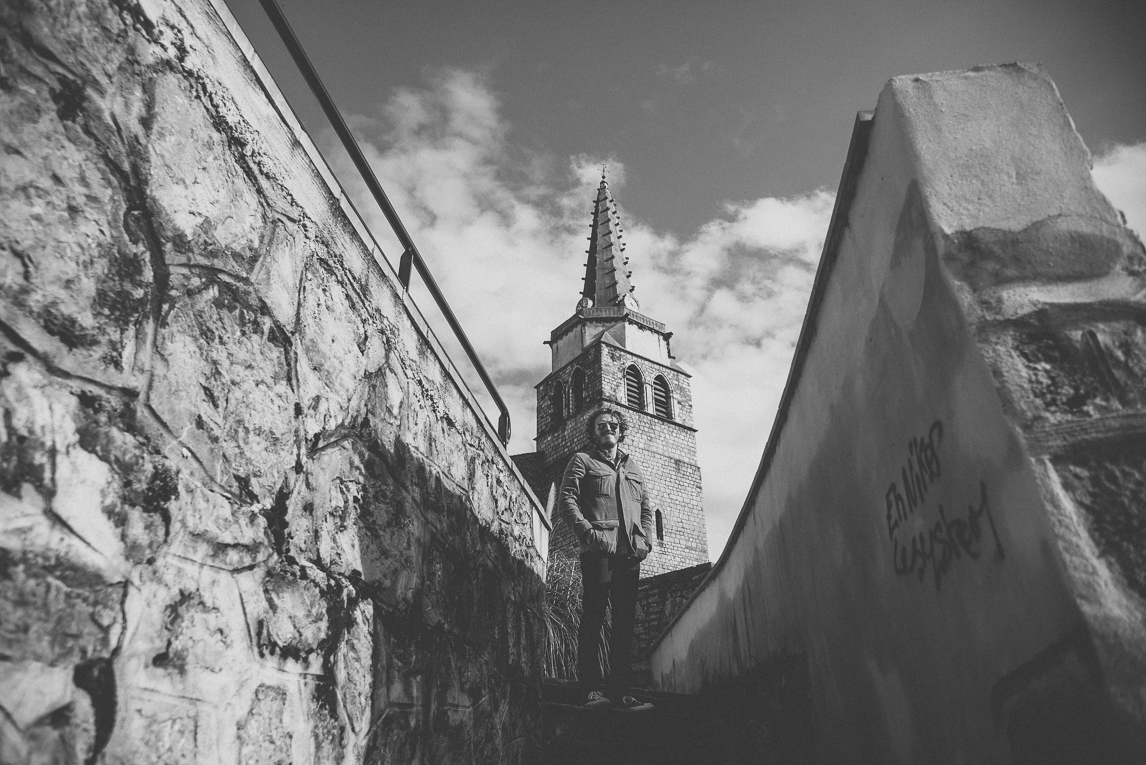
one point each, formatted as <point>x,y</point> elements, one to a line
<point>608,353</point>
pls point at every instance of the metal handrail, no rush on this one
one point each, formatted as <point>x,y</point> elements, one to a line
<point>410,254</point>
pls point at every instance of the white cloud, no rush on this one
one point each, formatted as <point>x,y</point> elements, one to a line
<point>688,72</point>
<point>507,245</point>
<point>735,295</point>
<point>1121,175</point>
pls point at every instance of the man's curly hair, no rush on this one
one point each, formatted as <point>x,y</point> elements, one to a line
<point>591,424</point>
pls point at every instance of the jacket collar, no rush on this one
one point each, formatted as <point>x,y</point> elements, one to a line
<point>622,457</point>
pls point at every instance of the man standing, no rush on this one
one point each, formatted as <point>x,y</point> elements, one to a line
<point>604,501</point>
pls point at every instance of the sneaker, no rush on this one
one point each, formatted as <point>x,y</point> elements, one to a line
<point>597,700</point>
<point>631,704</point>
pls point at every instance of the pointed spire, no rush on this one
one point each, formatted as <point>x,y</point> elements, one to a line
<point>607,282</point>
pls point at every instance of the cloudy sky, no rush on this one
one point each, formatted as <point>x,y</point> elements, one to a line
<point>724,126</point>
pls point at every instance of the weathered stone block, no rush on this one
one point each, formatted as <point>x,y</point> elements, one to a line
<point>323,514</point>
<point>1053,373</point>
<point>392,537</point>
<point>72,277</point>
<point>338,350</point>
<point>55,492</point>
<point>353,674</point>
<point>293,622</point>
<point>263,736</point>
<point>205,209</point>
<point>1108,484</point>
<point>209,528</point>
<point>278,272</point>
<point>57,621</point>
<point>222,384</point>
<point>167,733</point>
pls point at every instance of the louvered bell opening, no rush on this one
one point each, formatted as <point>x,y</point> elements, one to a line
<point>634,389</point>
<point>662,400</point>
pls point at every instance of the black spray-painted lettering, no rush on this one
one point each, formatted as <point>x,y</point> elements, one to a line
<point>922,469</point>
<point>946,541</point>
<point>934,545</point>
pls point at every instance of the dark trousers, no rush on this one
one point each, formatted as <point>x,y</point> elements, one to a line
<point>608,580</point>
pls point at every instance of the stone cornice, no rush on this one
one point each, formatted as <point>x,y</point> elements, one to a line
<point>609,312</point>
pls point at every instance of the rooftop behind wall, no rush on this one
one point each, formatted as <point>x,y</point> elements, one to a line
<point>947,523</point>
<point>248,511</point>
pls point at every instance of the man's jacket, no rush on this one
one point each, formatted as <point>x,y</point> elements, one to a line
<point>588,503</point>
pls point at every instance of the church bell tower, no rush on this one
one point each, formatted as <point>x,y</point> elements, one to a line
<point>608,353</point>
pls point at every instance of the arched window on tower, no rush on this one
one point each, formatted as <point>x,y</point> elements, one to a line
<point>662,398</point>
<point>634,388</point>
<point>558,402</point>
<point>660,526</point>
<point>578,389</point>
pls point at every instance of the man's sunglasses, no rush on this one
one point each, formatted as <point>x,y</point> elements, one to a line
<point>607,426</point>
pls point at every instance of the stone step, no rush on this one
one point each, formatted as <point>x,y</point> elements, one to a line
<point>765,722</point>
<point>570,693</point>
<point>672,733</point>
<point>576,736</point>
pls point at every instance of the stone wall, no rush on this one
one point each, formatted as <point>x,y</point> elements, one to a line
<point>248,513</point>
<point>947,523</point>
<point>659,599</point>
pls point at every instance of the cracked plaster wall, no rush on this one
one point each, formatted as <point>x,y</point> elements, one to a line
<point>246,513</point>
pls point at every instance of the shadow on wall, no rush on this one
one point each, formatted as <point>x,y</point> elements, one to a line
<point>765,715</point>
<point>429,649</point>
<point>456,621</point>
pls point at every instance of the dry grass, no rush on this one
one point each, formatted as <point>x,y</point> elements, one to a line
<point>562,616</point>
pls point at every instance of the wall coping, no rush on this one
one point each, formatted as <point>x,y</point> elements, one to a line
<point>292,122</point>
<point>676,575</point>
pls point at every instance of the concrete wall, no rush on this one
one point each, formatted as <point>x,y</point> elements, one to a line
<point>248,513</point>
<point>947,522</point>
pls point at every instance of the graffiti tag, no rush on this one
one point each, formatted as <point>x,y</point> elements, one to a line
<point>946,541</point>
<point>920,472</point>
<point>936,545</point>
